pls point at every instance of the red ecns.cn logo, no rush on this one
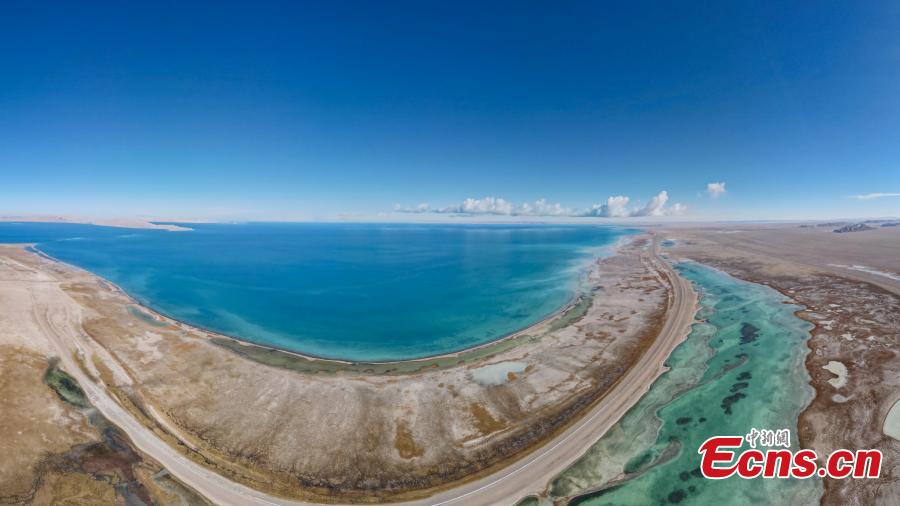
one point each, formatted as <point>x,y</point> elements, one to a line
<point>718,462</point>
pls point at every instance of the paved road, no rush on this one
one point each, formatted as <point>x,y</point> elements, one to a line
<point>527,476</point>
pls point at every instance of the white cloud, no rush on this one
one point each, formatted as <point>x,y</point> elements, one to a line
<point>502,207</point>
<point>543,208</point>
<point>715,190</point>
<point>677,210</point>
<point>873,196</point>
<point>656,206</point>
<point>614,207</point>
<point>617,206</point>
<point>424,207</point>
<point>487,205</point>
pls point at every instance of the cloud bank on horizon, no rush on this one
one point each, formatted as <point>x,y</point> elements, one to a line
<point>614,207</point>
<point>873,196</point>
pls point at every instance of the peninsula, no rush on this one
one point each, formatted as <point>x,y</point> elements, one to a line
<point>236,423</point>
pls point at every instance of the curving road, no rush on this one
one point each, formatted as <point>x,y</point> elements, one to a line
<point>527,476</point>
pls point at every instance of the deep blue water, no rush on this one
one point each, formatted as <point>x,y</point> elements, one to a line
<point>353,291</point>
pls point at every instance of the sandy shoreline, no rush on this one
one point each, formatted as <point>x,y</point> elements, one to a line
<point>576,298</point>
<point>315,358</point>
<point>167,225</point>
<point>137,371</point>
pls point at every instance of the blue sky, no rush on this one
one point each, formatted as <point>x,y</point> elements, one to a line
<point>312,110</point>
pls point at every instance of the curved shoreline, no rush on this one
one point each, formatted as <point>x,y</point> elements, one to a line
<point>507,479</point>
<point>577,298</point>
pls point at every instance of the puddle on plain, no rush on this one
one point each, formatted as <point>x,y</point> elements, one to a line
<point>496,374</point>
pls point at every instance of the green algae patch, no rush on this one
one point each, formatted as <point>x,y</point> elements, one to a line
<point>112,465</point>
<point>574,314</point>
<point>742,366</point>
<point>146,318</point>
<point>65,386</point>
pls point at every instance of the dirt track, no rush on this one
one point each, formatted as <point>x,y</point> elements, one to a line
<point>60,322</point>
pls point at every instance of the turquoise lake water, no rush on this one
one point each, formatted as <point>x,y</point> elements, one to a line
<point>352,291</point>
<point>741,368</point>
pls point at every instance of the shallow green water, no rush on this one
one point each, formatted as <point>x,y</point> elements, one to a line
<point>146,318</point>
<point>740,369</point>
